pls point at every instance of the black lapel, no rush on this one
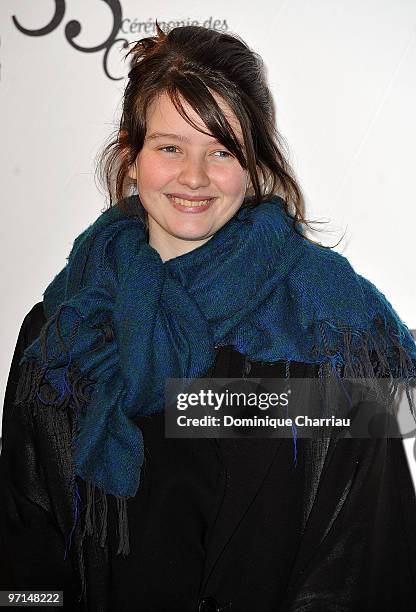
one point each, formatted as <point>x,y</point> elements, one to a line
<point>247,460</point>
<point>55,435</point>
<point>247,463</point>
<point>54,439</point>
<point>324,503</point>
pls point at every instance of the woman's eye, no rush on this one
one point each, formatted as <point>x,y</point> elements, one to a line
<point>168,147</point>
<point>174,149</point>
<point>225,154</point>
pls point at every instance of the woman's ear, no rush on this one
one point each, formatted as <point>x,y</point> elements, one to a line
<point>249,184</point>
<point>132,171</point>
<point>124,144</point>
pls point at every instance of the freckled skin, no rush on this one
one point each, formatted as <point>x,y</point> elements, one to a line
<point>199,166</point>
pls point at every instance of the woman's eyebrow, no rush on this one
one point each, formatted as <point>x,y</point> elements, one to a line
<point>156,135</point>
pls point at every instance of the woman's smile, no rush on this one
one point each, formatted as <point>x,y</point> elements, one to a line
<point>188,205</point>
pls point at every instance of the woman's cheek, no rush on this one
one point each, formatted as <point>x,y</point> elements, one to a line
<point>153,172</point>
<point>233,179</point>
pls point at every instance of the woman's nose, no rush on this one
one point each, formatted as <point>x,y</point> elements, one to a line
<point>193,173</point>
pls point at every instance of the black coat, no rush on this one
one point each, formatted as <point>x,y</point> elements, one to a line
<point>224,524</point>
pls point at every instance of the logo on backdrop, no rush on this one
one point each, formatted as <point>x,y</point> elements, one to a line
<point>125,25</point>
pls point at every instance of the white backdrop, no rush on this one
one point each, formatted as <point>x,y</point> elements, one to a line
<point>342,74</point>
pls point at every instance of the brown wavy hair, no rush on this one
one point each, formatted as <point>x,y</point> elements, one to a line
<point>190,63</point>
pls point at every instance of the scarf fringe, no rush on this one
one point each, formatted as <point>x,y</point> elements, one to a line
<point>96,515</point>
<point>96,518</point>
<point>368,355</point>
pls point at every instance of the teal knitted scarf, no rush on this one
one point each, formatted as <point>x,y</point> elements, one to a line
<point>121,321</point>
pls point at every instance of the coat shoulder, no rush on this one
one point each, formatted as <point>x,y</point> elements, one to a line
<point>33,323</point>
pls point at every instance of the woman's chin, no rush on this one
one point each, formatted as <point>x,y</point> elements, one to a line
<point>190,230</point>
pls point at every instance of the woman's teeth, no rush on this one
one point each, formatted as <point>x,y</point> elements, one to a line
<point>190,203</point>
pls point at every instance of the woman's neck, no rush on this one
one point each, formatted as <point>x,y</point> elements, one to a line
<point>174,247</point>
<point>169,246</point>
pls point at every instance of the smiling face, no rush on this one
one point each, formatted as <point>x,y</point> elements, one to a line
<point>189,184</point>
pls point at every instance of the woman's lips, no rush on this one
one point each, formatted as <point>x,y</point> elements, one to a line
<point>189,206</point>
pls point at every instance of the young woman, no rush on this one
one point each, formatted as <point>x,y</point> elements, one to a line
<point>200,268</point>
